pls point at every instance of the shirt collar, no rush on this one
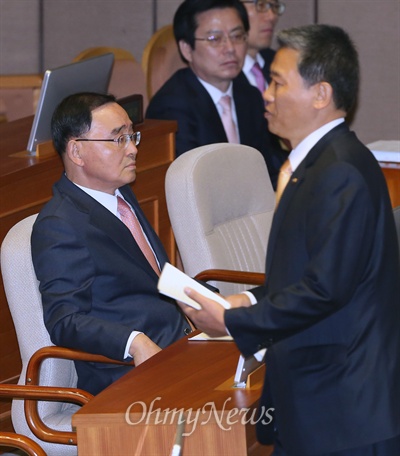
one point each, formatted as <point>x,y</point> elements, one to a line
<point>105,199</point>
<point>298,154</point>
<point>215,93</point>
<point>249,62</point>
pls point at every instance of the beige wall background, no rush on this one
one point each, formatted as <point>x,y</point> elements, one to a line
<point>36,35</point>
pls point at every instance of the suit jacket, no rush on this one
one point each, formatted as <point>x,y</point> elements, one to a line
<point>96,285</point>
<point>184,99</point>
<point>329,311</point>
<point>268,56</point>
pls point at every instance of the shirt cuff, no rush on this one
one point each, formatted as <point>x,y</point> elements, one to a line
<point>250,295</point>
<point>128,344</point>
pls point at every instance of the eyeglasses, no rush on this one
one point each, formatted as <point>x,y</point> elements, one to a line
<point>217,39</point>
<point>123,141</point>
<point>263,6</point>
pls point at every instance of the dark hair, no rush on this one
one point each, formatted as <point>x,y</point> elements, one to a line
<point>73,117</point>
<point>327,54</point>
<point>185,19</point>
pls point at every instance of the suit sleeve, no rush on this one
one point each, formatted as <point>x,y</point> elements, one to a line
<point>337,242</point>
<point>66,274</point>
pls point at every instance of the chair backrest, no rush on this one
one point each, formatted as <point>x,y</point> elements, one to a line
<point>127,77</point>
<point>24,300</point>
<point>221,203</point>
<point>160,59</point>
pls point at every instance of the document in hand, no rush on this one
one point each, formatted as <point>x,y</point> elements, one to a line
<point>172,283</point>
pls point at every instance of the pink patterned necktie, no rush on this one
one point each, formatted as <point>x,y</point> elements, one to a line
<point>131,221</point>
<point>258,74</point>
<point>227,120</point>
<point>285,174</point>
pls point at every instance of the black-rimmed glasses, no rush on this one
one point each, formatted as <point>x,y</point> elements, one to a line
<point>262,6</point>
<point>123,141</point>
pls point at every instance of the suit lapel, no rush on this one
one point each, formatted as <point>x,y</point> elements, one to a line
<point>244,109</point>
<point>151,235</point>
<point>204,105</point>
<point>295,183</point>
<point>111,226</point>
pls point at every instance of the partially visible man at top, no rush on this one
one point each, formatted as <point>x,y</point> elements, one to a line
<point>263,17</point>
<point>209,104</point>
<point>94,252</point>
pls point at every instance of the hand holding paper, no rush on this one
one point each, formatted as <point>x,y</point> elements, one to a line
<point>209,316</point>
<point>172,283</point>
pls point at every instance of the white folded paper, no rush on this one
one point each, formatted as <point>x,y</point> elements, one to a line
<point>204,336</point>
<point>172,283</point>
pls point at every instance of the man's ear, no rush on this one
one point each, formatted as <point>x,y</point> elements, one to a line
<point>186,50</point>
<point>323,95</point>
<point>73,152</point>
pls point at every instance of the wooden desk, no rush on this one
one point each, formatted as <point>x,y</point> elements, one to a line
<point>391,172</point>
<point>26,185</point>
<point>139,413</point>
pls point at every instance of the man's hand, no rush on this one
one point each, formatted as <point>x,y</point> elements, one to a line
<point>142,348</point>
<point>210,318</point>
<point>238,300</point>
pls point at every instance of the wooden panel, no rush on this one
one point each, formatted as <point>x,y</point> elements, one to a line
<point>391,172</point>
<point>139,413</point>
<point>26,185</point>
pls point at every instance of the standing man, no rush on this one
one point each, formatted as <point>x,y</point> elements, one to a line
<point>329,312</point>
<point>96,256</point>
<point>263,17</point>
<point>206,100</point>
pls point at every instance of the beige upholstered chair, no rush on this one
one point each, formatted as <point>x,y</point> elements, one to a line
<point>221,203</point>
<point>48,372</point>
<point>160,59</point>
<point>127,77</point>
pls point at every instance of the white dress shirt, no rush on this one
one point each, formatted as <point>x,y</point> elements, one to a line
<point>216,95</point>
<point>248,65</point>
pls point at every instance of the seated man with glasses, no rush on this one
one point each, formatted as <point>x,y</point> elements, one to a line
<point>96,256</point>
<point>206,99</point>
<point>263,17</point>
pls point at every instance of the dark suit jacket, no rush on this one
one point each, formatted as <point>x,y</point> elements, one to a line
<point>268,56</point>
<point>184,99</point>
<point>329,312</point>
<point>97,287</point>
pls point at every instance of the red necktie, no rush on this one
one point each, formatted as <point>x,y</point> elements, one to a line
<point>284,176</point>
<point>131,221</point>
<point>258,74</point>
<point>227,119</point>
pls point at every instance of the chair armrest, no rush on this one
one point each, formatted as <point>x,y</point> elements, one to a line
<point>225,275</point>
<point>32,392</point>
<point>22,442</point>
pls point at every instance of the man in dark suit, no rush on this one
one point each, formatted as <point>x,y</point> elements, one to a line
<point>263,17</point>
<point>211,36</point>
<point>329,312</point>
<point>99,291</point>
